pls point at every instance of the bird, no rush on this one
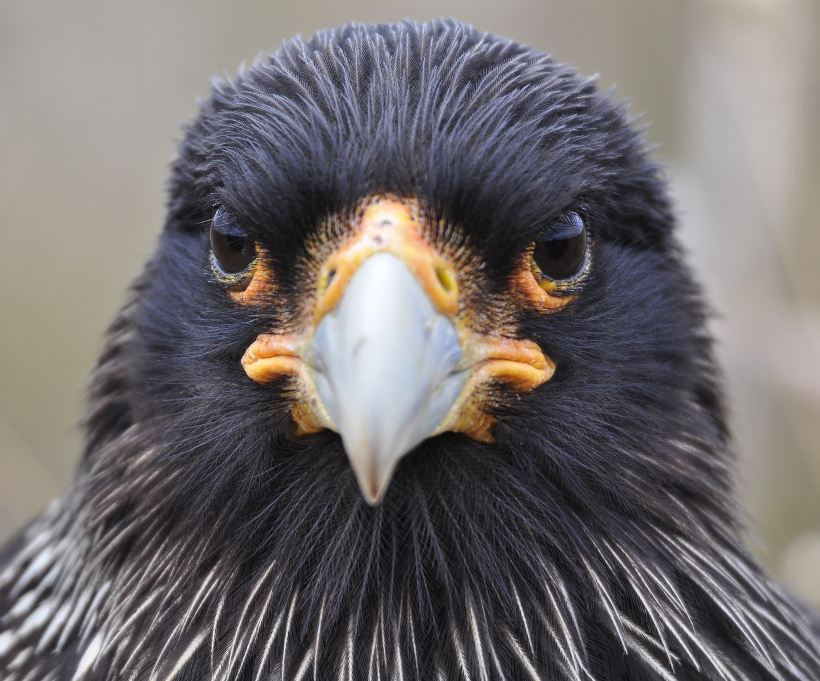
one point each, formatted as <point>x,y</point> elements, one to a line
<point>417,385</point>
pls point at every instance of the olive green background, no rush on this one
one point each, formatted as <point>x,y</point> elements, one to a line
<point>91,93</point>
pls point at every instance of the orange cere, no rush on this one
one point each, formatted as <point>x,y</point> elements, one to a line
<point>388,225</point>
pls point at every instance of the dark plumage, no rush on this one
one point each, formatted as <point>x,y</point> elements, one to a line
<point>595,538</point>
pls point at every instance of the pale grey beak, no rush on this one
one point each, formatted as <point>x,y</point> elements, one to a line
<point>383,362</point>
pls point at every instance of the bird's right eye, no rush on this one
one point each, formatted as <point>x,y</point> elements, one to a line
<point>233,252</point>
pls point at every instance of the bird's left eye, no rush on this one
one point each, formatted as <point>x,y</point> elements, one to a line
<point>233,252</point>
<point>560,253</point>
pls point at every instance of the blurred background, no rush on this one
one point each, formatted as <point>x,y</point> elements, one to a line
<point>92,92</point>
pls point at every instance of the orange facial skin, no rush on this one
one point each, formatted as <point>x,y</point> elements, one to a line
<point>393,225</point>
<point>537,293</point>
<point>259,285</point>
<point>274,356</point>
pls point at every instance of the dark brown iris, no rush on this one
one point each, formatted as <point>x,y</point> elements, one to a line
<point>233,250</point>
<point>560,252</point>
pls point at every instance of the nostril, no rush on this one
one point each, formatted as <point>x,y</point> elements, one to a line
<point>446,279</point>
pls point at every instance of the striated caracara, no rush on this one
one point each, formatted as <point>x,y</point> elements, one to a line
<point>416,386</point>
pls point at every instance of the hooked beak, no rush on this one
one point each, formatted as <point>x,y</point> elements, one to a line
<point>384,362</point>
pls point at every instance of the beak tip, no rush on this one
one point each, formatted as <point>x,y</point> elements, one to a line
<point>372,500</point>
<point>373,487</point>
